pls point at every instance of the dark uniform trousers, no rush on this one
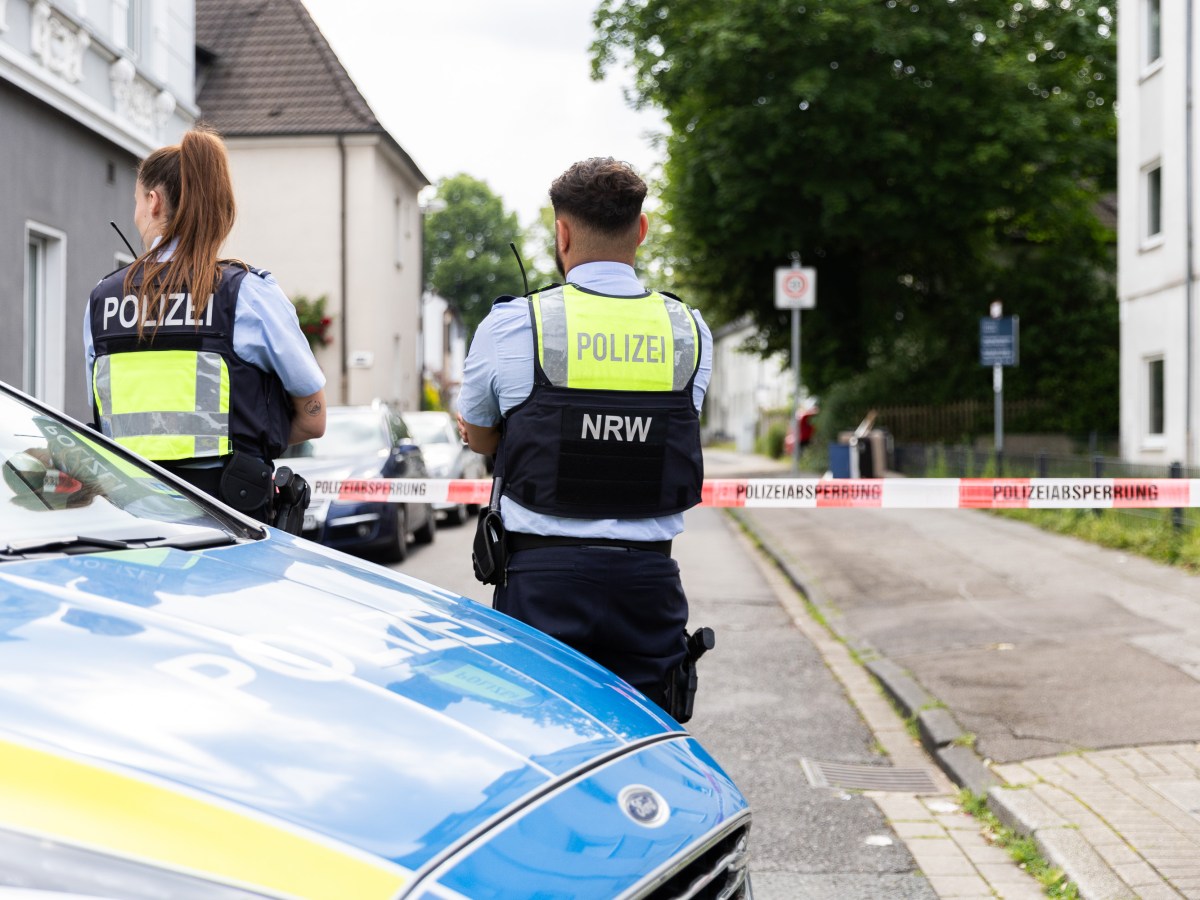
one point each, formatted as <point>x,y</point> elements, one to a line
<point>621,607</point>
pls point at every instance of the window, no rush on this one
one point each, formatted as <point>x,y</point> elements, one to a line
<point>42,370</point>
<point>127,25</point>
<point>1152,31</point>
<point>1153,201</point>
<point>1156,415</point>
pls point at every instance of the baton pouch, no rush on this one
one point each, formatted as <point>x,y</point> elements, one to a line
<point>246,482</point>
<point>489,553</point>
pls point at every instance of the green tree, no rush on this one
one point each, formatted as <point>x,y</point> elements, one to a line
<point>467,255</point>
<point>926,157</point>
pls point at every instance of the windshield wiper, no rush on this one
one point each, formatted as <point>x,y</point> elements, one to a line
<point>195,540</point>
<point>74,543</point>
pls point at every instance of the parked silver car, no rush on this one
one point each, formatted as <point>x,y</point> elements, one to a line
<point>446,456</point>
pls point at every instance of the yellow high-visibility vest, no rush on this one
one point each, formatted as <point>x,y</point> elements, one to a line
<point>165,404</point>
<point>588,341</point>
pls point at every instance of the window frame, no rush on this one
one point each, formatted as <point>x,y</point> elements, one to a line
<point>1154,390</point>
<point>43,306</point>
<point>1151,204</point>
<point>1151,33</point>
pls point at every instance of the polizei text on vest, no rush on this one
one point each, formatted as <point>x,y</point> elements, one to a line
<point>634,348</point>
<point>180,310</point>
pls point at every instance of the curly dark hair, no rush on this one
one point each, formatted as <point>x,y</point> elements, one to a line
<point>601,193</point>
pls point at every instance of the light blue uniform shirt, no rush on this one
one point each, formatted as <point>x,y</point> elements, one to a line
<point>498,375</point>
<point>266,333</point>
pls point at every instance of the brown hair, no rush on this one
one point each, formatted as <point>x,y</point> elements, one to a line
<point>600,193</point>
<point>194,178</point>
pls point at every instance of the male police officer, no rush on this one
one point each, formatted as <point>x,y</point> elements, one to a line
<point>589,394</point>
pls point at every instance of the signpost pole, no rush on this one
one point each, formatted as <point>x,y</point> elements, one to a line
<point>795,289</point>
<point>998,388</point>
<point>795,423</point>
<point>996,311</point>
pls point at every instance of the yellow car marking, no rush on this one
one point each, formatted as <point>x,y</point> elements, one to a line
<point>56,796</point>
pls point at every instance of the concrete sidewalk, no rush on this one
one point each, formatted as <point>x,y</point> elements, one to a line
<point>1059,678</point>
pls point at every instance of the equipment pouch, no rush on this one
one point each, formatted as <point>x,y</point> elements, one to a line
<point>246,483</point>
<point>489,554</point>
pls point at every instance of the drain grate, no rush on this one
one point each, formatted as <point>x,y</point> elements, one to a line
<point>868,778</point>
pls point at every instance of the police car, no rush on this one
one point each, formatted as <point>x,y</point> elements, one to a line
<point>195,706</point>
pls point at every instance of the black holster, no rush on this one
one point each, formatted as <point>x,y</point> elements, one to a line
<point>292,494</point>
<point>489,552</point>
<point>682,681</point>
<point>246,484</point>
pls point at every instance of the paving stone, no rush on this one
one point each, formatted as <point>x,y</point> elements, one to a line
<point>1115,854</point>
<point>901,807</point>
<point>1137,873</point>
<point>1143,765</point>
<point>924,849</point>
<point>1005,873</point>
<point>1014,774</point>
<point>959,886</point>
<point>944,865</point>
<point>1158,892</point>
<point>909,830</point>
<point>1020,891</point>
<point>986,855</point>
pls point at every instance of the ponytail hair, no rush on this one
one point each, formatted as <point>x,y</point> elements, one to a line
<point>197,188</point>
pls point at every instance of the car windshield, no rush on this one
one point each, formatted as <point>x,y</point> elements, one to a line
<point>66,487</point>
<point>346,434</point>
<point>428,428</point>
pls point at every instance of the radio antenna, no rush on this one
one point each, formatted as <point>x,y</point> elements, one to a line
<point>524,279</point>
<point>127,244</point>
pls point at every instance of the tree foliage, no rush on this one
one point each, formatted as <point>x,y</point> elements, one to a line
<point>926,156</point>
<point>467,255</point>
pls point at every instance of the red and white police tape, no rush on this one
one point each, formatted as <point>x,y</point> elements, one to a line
<point>812,493</point>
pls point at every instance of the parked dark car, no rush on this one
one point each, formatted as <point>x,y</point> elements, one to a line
<point>446,456</point>
<point>364,442</point>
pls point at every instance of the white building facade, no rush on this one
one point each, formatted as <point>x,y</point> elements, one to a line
<point>87,88</point>
<point>1157,233</point>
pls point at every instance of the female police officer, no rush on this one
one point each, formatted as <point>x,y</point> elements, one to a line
<point>195,362</point>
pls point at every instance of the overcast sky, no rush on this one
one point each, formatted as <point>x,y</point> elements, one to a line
<point>500,91</point>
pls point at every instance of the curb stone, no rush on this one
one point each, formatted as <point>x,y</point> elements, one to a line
<point>1060,844</point>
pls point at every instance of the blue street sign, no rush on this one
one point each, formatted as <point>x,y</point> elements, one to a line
<point>999,343</point>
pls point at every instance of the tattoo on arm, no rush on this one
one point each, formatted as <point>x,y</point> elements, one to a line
<point>312,407</point>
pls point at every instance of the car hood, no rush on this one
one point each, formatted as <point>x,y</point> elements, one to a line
<point>300,686</point>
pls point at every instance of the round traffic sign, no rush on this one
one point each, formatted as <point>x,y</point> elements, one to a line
<point>795,285</point>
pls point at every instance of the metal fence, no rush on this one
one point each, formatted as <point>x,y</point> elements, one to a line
<point>961,461</point>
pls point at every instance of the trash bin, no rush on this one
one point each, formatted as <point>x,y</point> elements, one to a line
<point>846,456</point>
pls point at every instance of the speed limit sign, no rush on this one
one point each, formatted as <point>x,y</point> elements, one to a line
<point>795,288</point>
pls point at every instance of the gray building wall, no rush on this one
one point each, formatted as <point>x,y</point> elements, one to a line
<point>59,174</point>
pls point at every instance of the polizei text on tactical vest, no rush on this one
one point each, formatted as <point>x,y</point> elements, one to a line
<point>602,427</point>
<point>634,348</point>
<point>180,310</point>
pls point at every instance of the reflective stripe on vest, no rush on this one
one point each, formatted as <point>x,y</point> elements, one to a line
<point>615,343</point>
<point>165,404</point>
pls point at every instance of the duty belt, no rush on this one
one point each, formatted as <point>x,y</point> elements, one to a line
<point>518,541</point>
